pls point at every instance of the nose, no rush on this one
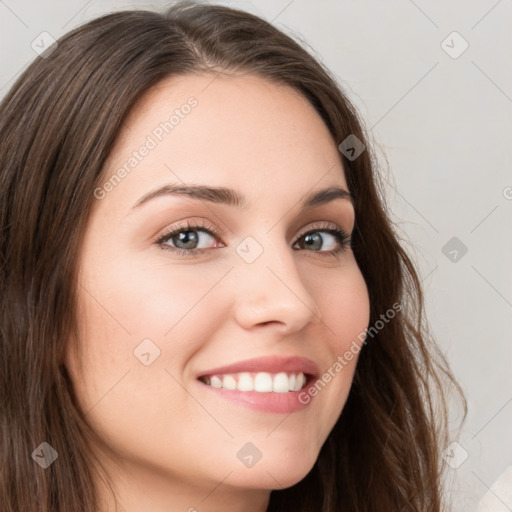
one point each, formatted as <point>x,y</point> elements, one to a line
<point>271,291</point>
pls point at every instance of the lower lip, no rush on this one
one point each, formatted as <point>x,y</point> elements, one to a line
<point>282,403</point>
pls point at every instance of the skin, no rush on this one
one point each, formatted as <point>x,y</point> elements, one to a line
<point>175,443</point>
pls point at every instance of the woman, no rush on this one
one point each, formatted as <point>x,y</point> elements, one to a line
<point>205,306</point>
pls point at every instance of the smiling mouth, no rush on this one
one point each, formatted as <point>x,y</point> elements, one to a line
<point>261,382</point>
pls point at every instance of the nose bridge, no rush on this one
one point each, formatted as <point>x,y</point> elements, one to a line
<point>269,285</point>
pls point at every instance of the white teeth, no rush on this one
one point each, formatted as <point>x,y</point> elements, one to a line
<point>301,380</point>
<point>228,382</point>
<point>280,384</point>
<point>262,382</point>
<point>215,382</point>
<point>291,382</point>
<point>245,382</point>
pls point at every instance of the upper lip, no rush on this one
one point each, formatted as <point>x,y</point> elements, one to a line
<point>270,364</point>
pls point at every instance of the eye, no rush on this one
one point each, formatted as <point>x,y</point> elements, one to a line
<point>328,239</point>
<point>194,239</point>
<point>188,239</point>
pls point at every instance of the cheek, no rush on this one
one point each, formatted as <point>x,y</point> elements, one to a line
<point>132,301</point>
<point>159,296</point>
<point>344,304</point>
<point>143,297</point>
<point>343,301</point>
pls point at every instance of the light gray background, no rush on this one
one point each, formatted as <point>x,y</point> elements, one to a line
<point>445,126</point>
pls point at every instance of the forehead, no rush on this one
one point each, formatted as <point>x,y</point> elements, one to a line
<point>239,131</point>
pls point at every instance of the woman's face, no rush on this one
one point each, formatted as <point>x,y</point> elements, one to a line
<point>161,315</point>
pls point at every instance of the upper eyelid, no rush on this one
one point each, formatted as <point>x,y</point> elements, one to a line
<point>326,225</point>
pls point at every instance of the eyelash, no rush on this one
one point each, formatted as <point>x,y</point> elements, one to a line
<point>343,239</point>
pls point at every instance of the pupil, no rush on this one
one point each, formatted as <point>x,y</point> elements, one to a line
<point>313,241</point>
<point>188,238</point>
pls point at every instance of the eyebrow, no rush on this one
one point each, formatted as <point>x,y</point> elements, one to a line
<point>230,197</point>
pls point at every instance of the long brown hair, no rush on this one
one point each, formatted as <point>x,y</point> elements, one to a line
<point>58,124</point>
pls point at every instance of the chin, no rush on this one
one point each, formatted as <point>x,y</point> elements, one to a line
<point>278,473</point>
